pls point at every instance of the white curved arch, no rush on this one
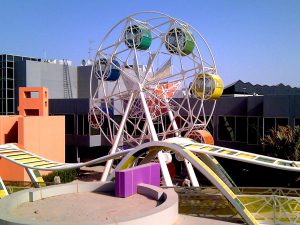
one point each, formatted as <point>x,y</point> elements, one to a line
<point>199,165</point>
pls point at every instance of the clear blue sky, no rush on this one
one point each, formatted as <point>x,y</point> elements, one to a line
<point>252,40</point>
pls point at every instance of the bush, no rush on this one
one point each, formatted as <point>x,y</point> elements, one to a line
<point>65,176</point>
<point>283,142</point>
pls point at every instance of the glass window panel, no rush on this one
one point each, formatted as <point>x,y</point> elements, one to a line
<point>253,130</point>
<point>282,122</point>
<point>269,123</point>
<point>18,58</point>
<point>226,128</point>
<point>10,64</point>
<point>95,131</point>
<point>10,58</point>
<point>297,122</point>
<point>80,124</point>
<point>69,123</point>
<point>10,105</point>
<point>260,129</point>
<point>241,129</point>
<point>10,73</point>
<point>10,93</point>
<point>4,106</point>
<point>10,84</point>
<point>86,125</point>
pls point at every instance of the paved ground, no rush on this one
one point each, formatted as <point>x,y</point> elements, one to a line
<point>190,220</point>
<point>84,208</point>
<point>98,208</point>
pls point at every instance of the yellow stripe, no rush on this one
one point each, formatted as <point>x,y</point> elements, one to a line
<point>204,166</point>
<point>247,156</point>
<point>40,179</point>
<point>21,156</point>
<point>208,148</point>
<point>128,163</point>
<point>215,161</point>
<point>33,159</point>
<point>47,165</point>
<point>193,147</point>
<point>11,153</point>
<point>36,163</point>
<point>2,194</point>
<point>227,189</point>
<point>9,150</point>
<point>225,152</point>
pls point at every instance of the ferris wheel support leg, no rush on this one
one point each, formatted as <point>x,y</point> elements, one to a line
<point>117,139</point>
<point>188,165</point>
<point>163,165</point>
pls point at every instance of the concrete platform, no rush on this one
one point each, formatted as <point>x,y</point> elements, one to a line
<point>95,203</point>
<point>84,208</point>
<point>89,203</point>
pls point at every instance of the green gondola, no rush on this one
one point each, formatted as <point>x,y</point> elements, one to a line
<point>179,41</point>
<point>138,37</point>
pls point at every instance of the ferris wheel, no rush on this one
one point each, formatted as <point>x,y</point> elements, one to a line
<point>165,60</point>
<point>150,77</point>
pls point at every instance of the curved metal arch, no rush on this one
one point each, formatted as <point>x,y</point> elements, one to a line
<point>198,164</point>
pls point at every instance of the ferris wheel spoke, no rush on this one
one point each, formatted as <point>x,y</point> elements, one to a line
<point>152,80</point>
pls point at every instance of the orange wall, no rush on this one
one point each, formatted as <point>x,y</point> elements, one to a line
<point>44,136</point>
<point>8,134</point>
<point>8,129</point>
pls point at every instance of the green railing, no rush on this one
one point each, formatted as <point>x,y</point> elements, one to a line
<point>267,205</point>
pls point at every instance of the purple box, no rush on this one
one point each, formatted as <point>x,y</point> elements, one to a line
<point>127,180</point>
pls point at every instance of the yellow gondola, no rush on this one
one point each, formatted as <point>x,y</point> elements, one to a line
<point>212,89</point>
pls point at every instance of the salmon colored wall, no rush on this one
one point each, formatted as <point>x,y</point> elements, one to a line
<point>8,134</point>
<point>33,105</point>
<point>8,129</point>
<point>12,172</point>
<point>44,136</point>
<point>34,131</point>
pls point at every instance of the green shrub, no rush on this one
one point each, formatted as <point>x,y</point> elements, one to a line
<point>65,176</point>
<point>283,142</point>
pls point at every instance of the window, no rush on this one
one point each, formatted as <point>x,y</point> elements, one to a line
<point>297,122</point>
<point>282,122</point>
<point>10,73</point>
<point>226,128</point>
<point>83,125</point>
<point>18,58</point>
<point>10,106</point>
<point>10,93</point>
<point>232,128</point>
<point>10,58</point>
<point>253,130</point>
<point>10,64</point>
<point>270,123</point>
<point>241,129</point>
<point>69,123</point>
<point>94,131</point>
<point>10,84</point>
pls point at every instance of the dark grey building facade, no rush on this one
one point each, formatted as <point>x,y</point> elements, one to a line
<point>8,80</point>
